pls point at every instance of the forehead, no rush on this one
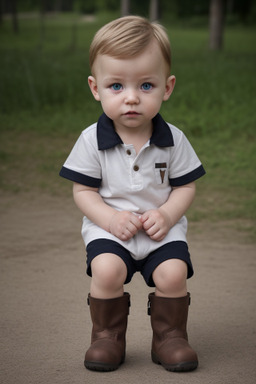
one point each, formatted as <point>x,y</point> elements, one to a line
<point>150,60</point>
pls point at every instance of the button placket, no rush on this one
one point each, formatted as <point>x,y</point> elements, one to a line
<point>130,155</point>
<point>136,177</point>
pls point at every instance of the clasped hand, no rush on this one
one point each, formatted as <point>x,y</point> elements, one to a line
<point>155,222</point>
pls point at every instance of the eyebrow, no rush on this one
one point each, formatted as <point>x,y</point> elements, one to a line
<point>116,78</point>
<point>112,79</point>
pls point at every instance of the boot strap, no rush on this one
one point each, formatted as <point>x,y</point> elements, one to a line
<point>149,303</point>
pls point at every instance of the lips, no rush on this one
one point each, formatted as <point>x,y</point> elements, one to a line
<point>130,113</point>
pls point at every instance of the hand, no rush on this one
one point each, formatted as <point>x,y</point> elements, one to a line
<point>156,224</point>
<point>124,225</point>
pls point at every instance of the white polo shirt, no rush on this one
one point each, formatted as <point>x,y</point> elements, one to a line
<point>131,181</point>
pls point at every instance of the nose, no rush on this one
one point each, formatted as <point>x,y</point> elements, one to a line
<point>131,97</point>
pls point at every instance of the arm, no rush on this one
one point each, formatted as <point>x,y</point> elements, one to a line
<point>158,222</point>
<point>122,224</point>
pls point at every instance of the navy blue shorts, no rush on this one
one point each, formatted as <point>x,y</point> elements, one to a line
<point>173,250</point>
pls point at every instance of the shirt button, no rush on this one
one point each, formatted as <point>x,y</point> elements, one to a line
<point>128,152</point>
<point>136,168</point>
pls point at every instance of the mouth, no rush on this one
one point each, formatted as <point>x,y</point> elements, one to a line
<point>132,113</point>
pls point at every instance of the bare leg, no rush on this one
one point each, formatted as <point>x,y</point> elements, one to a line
<point>108,276</point>
<point>170,278</point>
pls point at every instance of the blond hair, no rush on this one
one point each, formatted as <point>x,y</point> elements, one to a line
<point>127,37</point>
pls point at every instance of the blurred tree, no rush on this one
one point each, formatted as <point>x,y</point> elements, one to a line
<point>87,7</point>
<point>15,23</point>
<point>58,5</point>
<point>244,9</point>
<point>154,10</point>
<point>216,21</point>
<point>187,8</point>
<point>43,7</point>
<point>240,8</point>
<point>74,31</point>
<point>1,13</point>
<point>125,7</point>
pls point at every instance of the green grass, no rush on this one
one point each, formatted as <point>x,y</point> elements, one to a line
<point>45,102</point>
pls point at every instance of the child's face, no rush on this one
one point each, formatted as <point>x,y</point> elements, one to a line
<point>131,90</point>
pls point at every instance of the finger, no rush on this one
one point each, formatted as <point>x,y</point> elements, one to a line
<point>153,230</point>
<point>143,218</point>
<point>136,220</point>
<point>128,232</point>
<point>158,236</point>
<point>133,228</point>
<point>148,224</point>
<point>126,235</point>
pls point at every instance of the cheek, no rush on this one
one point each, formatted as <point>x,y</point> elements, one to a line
<point>107,102</point>
<point>109,106</point>
<point>154,102</point>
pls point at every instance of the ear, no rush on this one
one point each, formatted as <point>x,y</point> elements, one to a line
<point>170,83</point>
<point>93,87</point>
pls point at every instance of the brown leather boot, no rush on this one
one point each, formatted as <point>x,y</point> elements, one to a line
<point>109,318</point>
<point>170,346</point>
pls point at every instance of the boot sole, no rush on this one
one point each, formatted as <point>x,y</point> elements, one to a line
<point>101,367</point>
<point>181,367</point>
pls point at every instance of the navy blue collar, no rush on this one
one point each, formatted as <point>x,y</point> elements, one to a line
<point>108,138</point>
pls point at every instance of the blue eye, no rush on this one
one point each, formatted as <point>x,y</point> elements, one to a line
<point>116,86</point>
<point>146,86</point>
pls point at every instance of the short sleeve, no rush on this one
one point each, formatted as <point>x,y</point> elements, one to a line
<point>83,165</point>
<point>185,165</point>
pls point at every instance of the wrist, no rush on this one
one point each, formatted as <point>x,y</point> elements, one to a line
<point>111,221</point>
<point>167,217</point>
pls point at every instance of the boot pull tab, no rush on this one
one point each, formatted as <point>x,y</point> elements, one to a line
<point>149,307</point>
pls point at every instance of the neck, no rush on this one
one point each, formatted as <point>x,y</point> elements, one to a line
<point>138,137</point>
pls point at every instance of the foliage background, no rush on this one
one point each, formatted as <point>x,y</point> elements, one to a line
<point>45,101</point>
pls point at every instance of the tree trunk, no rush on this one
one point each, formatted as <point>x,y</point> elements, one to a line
<point>58,5</point>
<point>73,43</point>
<point>42,23</point>
<point>216,24</point>
<point>15,24</point>
<point>154,10</point>
<point>1,13</point>
<point>125,7</point>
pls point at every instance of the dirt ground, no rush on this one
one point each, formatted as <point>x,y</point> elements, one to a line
<point>45,323</point>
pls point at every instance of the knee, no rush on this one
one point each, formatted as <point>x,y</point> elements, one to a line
<point>170,277</point>
<point>109,270</point>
